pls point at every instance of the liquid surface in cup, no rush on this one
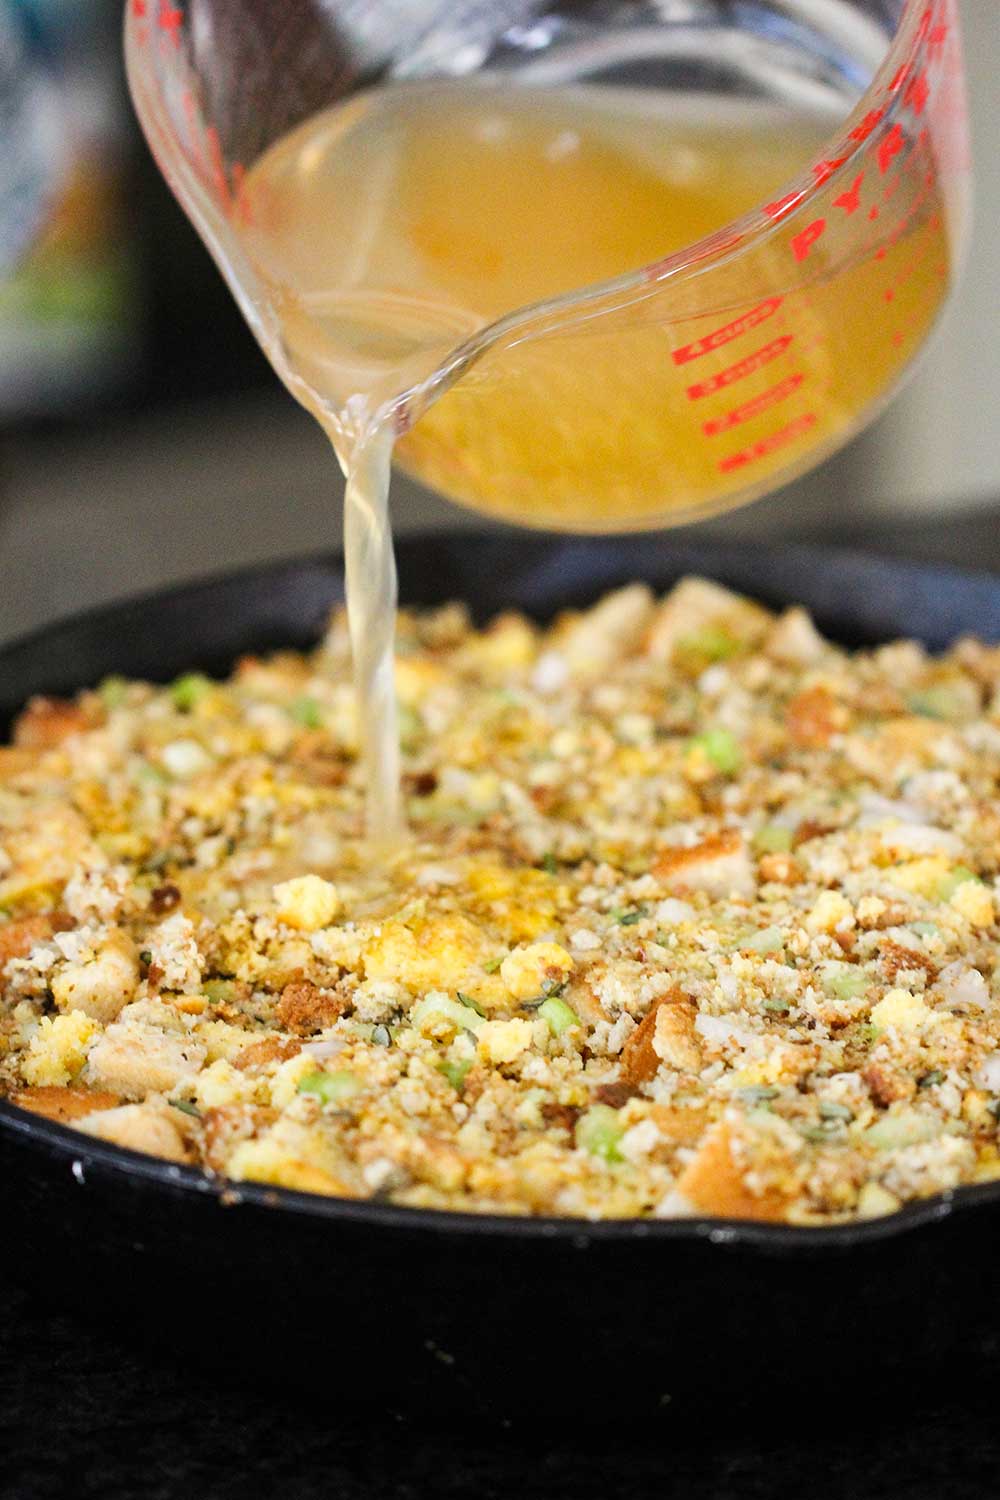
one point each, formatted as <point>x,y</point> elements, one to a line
<point>389,231</point>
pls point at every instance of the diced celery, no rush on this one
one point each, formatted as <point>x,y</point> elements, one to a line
<point>455,1073</point>
<point>711,643</point>
<point>767,940</point>
<point>331,1088</point>
<point>112,692</point>
<point>941,701</point>
<point>844,981</point>
<point>949,884</point>
<point>307,712</point>
<point>188,691</point>
<point>558,1015</point>
<point>459,1015</point>
<point>599,1132</point>
<point>773,838</point>
<point>720,748</point>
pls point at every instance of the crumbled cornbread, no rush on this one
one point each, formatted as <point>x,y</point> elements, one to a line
<point>697,915</point>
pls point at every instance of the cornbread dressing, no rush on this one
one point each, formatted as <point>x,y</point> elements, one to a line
<point>697,916</point>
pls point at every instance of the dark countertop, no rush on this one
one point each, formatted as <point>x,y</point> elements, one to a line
<point>82,1417</point>
<point>85,1414</point>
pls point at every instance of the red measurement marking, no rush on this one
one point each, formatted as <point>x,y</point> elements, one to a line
<point>715,245</point>
<point>219,178</point>
<point>242,204</point>
<point>733,330</point>
<point>769,444</point>
<point>763,402</point>
<point>736,372</point>
<point>873,213</point>
<point>824,170</point>
<point>936,41</point>
<point>171,20</point>
<point>139,9</point>
<point>803,243</point>
<point>890,146</point>
<point>782,207</point>
<point>917,94</point>
<point>864,128</point>
<point>850,201</point>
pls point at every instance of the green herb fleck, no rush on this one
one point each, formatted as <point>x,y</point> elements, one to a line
<point>186,1107</point>
<point>470,1004</point>
<point>146,957</point>
<point>493,964</point>
<point>832,1110</point>
<point>931,1079</point>
<point>550,863</point>
<point>307,712</point>
<point>757,1095</point>
<point>628,916</point>
<point>188,691</point>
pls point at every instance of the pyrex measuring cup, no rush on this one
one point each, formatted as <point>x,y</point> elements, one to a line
<point>690,384</point>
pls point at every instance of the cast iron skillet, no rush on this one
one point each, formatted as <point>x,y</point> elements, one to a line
<point>450,1312</point>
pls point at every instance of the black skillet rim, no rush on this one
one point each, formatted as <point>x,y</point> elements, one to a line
<point>82,1154</point>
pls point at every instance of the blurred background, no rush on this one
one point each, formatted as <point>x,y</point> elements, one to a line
<point>144,439</point>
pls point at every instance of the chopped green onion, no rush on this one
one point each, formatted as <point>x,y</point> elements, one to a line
<point>307,712</point>
<point>599,1132</point>
<point>628,917</point>
<point>186,1107</point>
<point>455,1073</point>
<point>188,691</point>
<point>931,1079</point>
<point>331,1088</point>
<point>558,1015</point>
<point>493,964</point>
<point>773,838</point>
<point>470,1004</point>
<point>112,692</point>
<point>146,956</point>
<point>720,748</point>
<point>550,863</point>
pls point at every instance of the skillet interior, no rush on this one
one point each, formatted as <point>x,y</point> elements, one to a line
<point>436,1307</point>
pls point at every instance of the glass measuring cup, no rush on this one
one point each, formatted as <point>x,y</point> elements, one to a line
<point>689,384</point>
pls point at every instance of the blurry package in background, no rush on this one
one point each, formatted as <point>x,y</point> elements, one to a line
<point>70,323</point>
<point>31,139</point>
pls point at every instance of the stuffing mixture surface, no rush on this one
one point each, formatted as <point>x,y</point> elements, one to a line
<point>699,915</point>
